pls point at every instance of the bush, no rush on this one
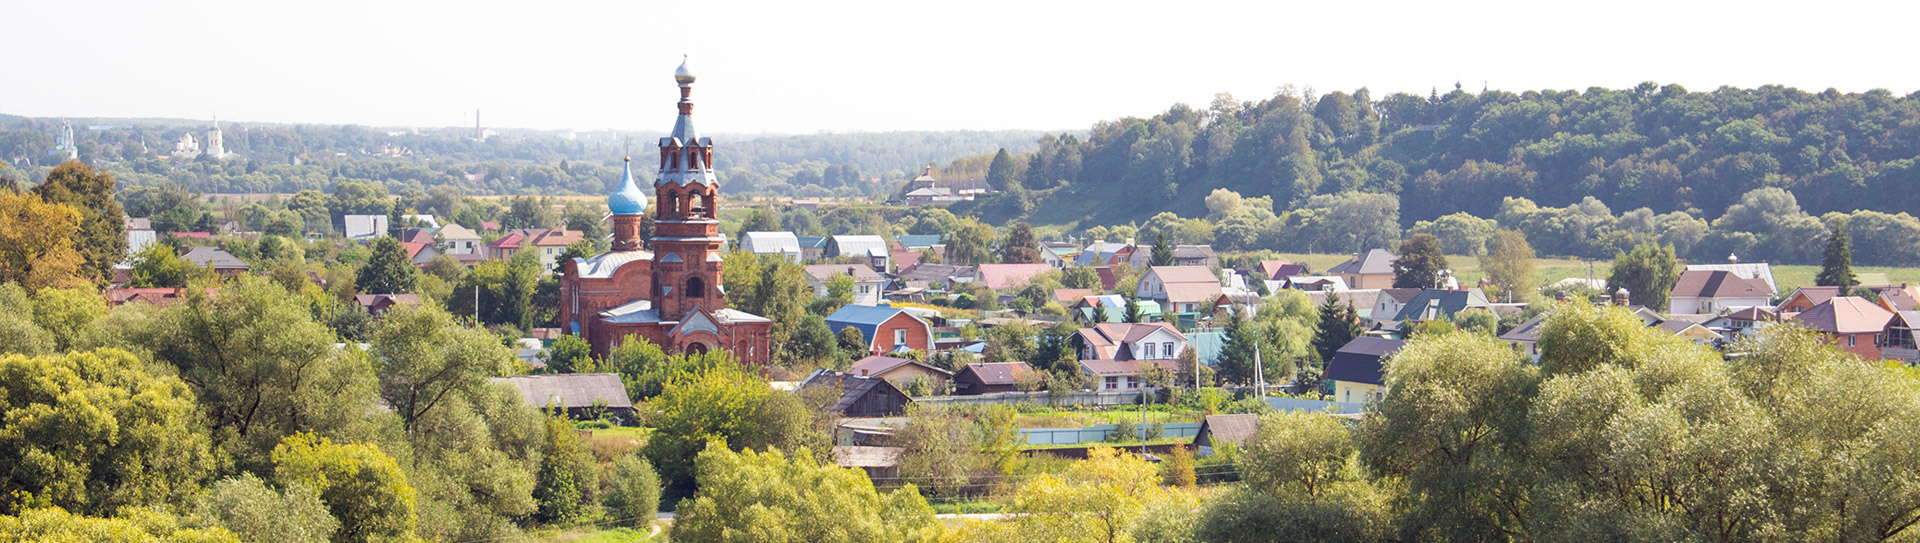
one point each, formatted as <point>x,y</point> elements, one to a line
<point>1124,433</point>
<point>256,512</point>
<point>632,490</point>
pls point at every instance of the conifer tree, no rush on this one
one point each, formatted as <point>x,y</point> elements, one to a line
<point>1337,327</point>
<point>1836,267</point>
<point>1162,252</point>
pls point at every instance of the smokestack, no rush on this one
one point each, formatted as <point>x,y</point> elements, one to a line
<point>476,125</point>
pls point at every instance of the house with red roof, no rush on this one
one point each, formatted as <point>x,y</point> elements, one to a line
<point>1280,270</point>
<point>1179,289</point>
<point>159,297</point>
<point>419,253</point>
<point>1117,354</point>
<point>505,246</point>
<point>988,378</point>
<point>1713,291</point>
<point>1007,276</point>
<point>1851,323</point>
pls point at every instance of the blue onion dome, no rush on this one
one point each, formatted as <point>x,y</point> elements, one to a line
<point>628,200</point>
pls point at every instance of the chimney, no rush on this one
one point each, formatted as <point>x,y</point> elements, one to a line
<point>1620,296</point>
<point>1733,259</point>
<point>1129,242</point>
<point>863,372</point>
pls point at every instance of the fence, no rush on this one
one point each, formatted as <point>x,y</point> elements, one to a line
<point>1099,432</point>
<point>1295,404</point>
<point>1037,398</point>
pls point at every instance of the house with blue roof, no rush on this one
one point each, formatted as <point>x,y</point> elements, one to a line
<point>887,329</point>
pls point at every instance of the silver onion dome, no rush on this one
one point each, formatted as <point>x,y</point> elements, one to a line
<point>683,75</point>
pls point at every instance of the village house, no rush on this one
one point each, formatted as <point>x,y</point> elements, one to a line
<point>458,240</point>
<point>1006,276</point>
<point>1851,323</point>
<point>812,248</point>
<point>887,329</point>
<point>158,297</point>
<point>584,396</point>
<point>1183,255</point>
<point>1116,354</point>
<point>1224,431</point>
<point>853,395</point>
<point>503,247</point>
<point>1356,369</point>
<point>1432,304</point>
<point>1525,338</point>
<point>549,244</point>
<point>1758,270</point>
<point>866,283</point>
<point>1745,322</point>
<point>1897,343</point>
<point>991,377</point>
<point>1179,289</point>
<point>1104,253</point>
<point>901,371</point>
<point>871,250</point>
<point>1388,303</point>
<point>784,244</point>
<point>1058,254</point>
<point>1372,269</point>
<point>364,227</point>
<point>220,261</point>
<point>1714,291</point>
<point>379,304</point>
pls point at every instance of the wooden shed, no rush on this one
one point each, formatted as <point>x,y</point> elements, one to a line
<point>855,396</point>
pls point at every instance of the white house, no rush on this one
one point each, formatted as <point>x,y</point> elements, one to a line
<point>458,240</point>
<point>1115,354</point>
<point>1180,289</point>
<point>365,226</point>
<point>866,283</point>
<point>873,248</point>
<point>1715,291</point>
<point>1389,303</point>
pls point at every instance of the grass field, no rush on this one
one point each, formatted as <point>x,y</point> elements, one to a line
<point>1467,268</point>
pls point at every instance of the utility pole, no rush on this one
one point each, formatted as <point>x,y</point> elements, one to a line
<point>1259,374</point>
<point>1143,421</point>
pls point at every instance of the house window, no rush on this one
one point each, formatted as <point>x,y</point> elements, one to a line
<point>1112,383</point>
<point>1850,340</point>
<point>1148,352</point>
<point>1167,348</point>
<point>866,289</point>
<point>899,337</point>
<point>1133,382</point>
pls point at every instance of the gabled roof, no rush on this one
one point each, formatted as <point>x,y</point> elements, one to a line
<point>1184,274</point>
<point>1275,270</point>
<point>811,242</point>
<point>413,248</point>
<point>1375,261</point>
<point>1401,294</point>
<point>858,245</point>
<point>878,366</point>
<point>368,300</point>
<point>1193,251</point>
<point>570,390</point>
<point>1071,295</point>
<point>917,241</point>
<point>452,232</point>
<point>1757,270</point>
<point>206,256</point>
<point>851,387</point>
<point>1448,303</point>
<point>1359,360</point>
<point>998,373</point>
<point>1846,315</point>
<point>364,226</point>
<point>1816,295</point>
<point>1719,284</point>
<point>416,235</point>
<point>509,241</point>
<point>1235,429</point>
<point>1192,292</point>
<point>1755,314</point>
<point>860,273</point>
<point>1000,276</point>
<point>1106,337</point>
<point>557,238</point>
<point>866,318</point>
<point>603,265</point>
<point>927,271</point>
<point>1527,331</point>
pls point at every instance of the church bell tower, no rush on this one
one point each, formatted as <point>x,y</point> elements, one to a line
<point>687,239</point>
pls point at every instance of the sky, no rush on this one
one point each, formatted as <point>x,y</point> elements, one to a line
<point>809,67</point>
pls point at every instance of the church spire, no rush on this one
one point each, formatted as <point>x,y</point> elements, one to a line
<point>685,157</point>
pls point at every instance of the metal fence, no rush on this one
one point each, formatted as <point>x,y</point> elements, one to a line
<point>1037,398</point>
<point>1099,432</point>
<point>1294,404</point>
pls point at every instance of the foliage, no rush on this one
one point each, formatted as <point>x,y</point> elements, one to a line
<point>1337,327</point>
<point>567,485</point>
<point>65,312</point>
<point>1648,273</point>
<point>96,433</point>
<point>970,242</point>
<point>1836,264</point>
<point>363,488</point>
<point>1509,265</point>
<point>388,271</point>
<point>1097,499</point>
<point>770,497</point>
<point>101,237</point>
<point>632,490</point>
<point>423,357</point>
<point>570,354</point>
<point>724,405</point>
<point>1420,262</point>
<point>53,524</point>
<point>257,512</point>
<point>28,254</point>
<point>1019,247</point>
<point>19,333</point>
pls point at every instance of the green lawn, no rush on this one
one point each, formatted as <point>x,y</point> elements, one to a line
<point>596,534</point>
<point>635,433</point>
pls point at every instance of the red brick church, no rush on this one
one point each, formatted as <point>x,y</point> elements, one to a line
<point>672,295</point>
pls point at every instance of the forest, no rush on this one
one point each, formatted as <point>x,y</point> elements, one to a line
<point>286,159</point>
<point>1773,162</point>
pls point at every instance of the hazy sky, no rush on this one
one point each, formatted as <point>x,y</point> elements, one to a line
<point>803,67</point>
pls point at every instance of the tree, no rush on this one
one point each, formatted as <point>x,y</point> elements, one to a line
<point>388,271</point>
<point>1420,262</point>
<point>770,497</point>
<point>941,452</point>
<point>19,333</point>
<point>1236,351</point>
<point>102,235</point>
<point>34,248</point>
<point>1082,278</point>
<point>1002,172</point>
<point>95,433</point>
<point>256,512</point>
<point>758,220</point>
<point>364,489</point>
<point>1337,327</point>
<point>569,480</point>
<point>1162,251</point>
<point>1133,315</point>
<point>1509,264</point>
<point>632,490</point>
<point>423,358</point>
<point>66,312</point>
<point>1648,273</point>
<point>725,405</point>
<point>851,342</point>
<point>1836,264</point>
<point>970,242</point>
<point>569,354</point>
<point>1096,499</point>
<point>137,526</point>
<point>1296,452</point>
<point>260,367</point>
<point>813,340</point>
<point>158,266</point>
<point>1020,246</point>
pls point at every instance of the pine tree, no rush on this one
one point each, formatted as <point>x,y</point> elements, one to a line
<point>1133,306</point>
<point>388,270</point>
<point>1162,252</point>
<point>1338,326</point>
<point>1836,268</point>
<point>1235,364</point>
<point>1000,173</point>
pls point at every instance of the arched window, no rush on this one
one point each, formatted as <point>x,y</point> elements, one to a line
<point>671,204</point>
<point>696,348</point>
<point>707,202</point>
<point>696,287</point>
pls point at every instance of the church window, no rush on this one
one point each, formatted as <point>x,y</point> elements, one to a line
<point>696,287</point>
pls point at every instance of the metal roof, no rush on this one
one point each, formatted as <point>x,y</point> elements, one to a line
<point>571,390</point>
